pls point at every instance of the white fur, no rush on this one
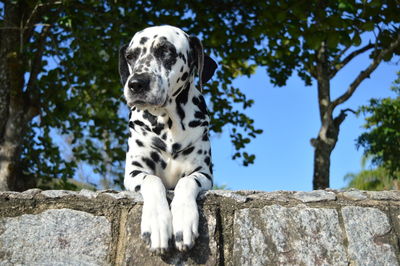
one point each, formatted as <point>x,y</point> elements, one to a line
<point>157,218</point>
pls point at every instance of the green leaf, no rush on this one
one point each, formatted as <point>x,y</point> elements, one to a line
<point>356,40</point>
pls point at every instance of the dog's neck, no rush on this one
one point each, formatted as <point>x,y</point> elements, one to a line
<point>181,112</point>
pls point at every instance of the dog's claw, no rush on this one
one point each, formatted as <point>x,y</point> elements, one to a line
<point>146,238</point>
<point>179,236</point>
<point>159,251</point>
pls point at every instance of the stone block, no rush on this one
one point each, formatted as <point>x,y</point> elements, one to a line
<point>278,235</point>
<point>384,195</point>
<point>368,231</point>
<point>57,193</point>
<point>225,193</point>
<point>205,251</point>
<point>55,237</point>
<point>355,195</point>
<point>314,196</point>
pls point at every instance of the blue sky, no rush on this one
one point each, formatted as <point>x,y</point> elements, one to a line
<point>289,117</point>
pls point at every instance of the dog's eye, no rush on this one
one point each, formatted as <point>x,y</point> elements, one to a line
<point>133,55</point>
<point>163,50</point>
<point>130,56</point>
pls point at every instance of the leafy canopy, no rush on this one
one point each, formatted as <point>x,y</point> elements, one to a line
<point>371,179</point>
<point>78,86</point>
<point>382,137</point>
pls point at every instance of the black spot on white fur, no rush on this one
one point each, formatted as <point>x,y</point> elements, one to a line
<point>143,40</point>
<point>159,137</point>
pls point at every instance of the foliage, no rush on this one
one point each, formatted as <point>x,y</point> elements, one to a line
<point>371,179</point>
<point>374,179</point>
<point>289,34</point>
<point>382,138</point>
<point>78,88</point>
<point>220,187</point>
<point>78,85</point>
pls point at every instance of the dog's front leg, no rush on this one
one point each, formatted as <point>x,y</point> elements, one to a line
<point>156,226</point>
<point>185,214</point>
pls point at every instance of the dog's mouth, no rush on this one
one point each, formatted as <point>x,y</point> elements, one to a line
<point>144,104</point>
<point>135,103</point>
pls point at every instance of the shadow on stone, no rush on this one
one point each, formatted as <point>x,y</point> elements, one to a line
<point>201,251</point>
<point>204,251</point>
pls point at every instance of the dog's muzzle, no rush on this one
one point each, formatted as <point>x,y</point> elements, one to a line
<point>144,90</point>
<point>139,84</point>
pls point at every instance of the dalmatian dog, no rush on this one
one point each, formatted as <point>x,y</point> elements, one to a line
<point>169,146</point>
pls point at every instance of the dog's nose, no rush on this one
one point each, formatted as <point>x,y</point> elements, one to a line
<point>139,83</point>
<point>135,86</point>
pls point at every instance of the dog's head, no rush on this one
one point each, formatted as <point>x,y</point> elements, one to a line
<point>158,62</point>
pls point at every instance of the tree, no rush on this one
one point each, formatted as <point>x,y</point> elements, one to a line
<point>382,138</point>
<point>58,74</point>
<point>316,39</point>
<point>371,179</point>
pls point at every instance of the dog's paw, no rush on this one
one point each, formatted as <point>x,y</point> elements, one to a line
<point>185,219</point>
<point>156,226</point>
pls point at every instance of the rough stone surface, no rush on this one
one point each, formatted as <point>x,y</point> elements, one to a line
<point>88,194</point>
<point>314,196</point>
<point>54,237</point>
<point>355,195</point>
<point>285,236</point>
<point>322,227</point>
<point>282,196</point>
<point>384,195</point>
<point>136,252</point>
<point>226,193</point>
<point>368,231</point>
<point>57,193</point>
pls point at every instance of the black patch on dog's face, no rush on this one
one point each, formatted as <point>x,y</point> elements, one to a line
<point>132,55</point>
<point>143,40</point>
<point>165,53</point>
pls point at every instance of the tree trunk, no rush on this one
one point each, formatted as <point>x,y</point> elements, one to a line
<point>14,108</point>
<point>327,137</point>
<point>322,163</point>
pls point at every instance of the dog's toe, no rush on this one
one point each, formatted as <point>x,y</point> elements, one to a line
<point>146,236</point>
<point>179,236</point>
<point>159,251</point>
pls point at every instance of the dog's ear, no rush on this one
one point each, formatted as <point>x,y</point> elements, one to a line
<point>123,65</point>
<point>205,64</point>
<point>209,68</point>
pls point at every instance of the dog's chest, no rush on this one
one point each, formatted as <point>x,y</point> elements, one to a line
<point>167,149</point>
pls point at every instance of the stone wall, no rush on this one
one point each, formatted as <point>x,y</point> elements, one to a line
<point>236,228</point>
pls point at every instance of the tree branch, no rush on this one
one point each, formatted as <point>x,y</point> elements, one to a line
<point>36,62</point>
<point>337,58</point>
<point>340,118</point>
<point>35,15</point>
<point>366,73</point>
<point>348,58</point>
<point>31,93</point>
<point>35,12</point>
